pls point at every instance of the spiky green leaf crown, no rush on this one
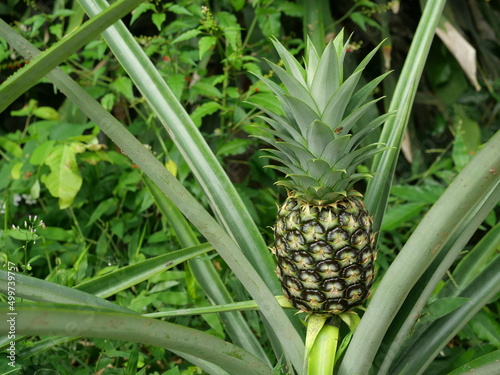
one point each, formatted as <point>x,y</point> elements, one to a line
<point>315,141</point>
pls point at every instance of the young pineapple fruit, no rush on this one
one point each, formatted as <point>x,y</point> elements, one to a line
<point>323,232</point>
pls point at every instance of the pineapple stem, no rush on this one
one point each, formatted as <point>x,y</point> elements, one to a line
<point>321,344</point>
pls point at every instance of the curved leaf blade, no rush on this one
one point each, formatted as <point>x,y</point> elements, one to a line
<point>63,320</point>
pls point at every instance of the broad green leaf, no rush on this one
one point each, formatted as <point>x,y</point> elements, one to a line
<point>363,20</point>
<point>40,153</point>
<point>231,29</point>
<point>268,20</point>
<point>108,101</point>
<point>64,180</point>
<point>412,193</point>
<point>441,307</point>
<point>291,9</point>
<point>35,189</point>
<point>486,327</point>
<point>158,19</point>
<point>177,9</point>
<point>46,113</point>
<point>238,4</point>
<point>123,85</point>
<point>187,35</point>
<point>11,147</point>
<point>204,110</point>
<point>206,89</point>
<point>400,214</point>
<point>459,153</point>
<point>15,172</point>
<point>205,44</point>
<point>104,206</point>
<point>20,234</point>
<point>63,131</point>
<point>234,146</point>
<point>266,100</point>
<point>468,128</point>
<point>140,10</point>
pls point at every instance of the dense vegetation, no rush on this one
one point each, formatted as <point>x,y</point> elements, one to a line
<point>74,207</point>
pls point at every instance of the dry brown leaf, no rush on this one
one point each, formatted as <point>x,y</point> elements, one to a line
<point>461,49</point>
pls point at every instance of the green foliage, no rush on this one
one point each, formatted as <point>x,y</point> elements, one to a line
<point>103,230</point>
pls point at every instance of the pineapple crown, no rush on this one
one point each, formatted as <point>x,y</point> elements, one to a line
<point>318,140</point>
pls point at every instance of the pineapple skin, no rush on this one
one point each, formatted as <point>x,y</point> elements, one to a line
<point>325,253</point>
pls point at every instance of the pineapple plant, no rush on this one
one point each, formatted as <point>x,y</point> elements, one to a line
<point>324,242</point>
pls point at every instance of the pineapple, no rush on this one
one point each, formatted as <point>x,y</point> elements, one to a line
<point>324,243</point>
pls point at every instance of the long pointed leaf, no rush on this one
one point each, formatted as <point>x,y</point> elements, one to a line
<point>398,337</point>
<point>468,190</point>
<point>224,199</point>
<point>38,290</point>
<point>427,347</point>
<point>384,164</point>
<point>208,278</point>
<point>188,205</point>
<point>61,320</point>
<point>125,277</point>
<point>30,74</point>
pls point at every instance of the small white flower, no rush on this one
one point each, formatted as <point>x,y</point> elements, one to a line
<point>29,199</point>
<point>17,199</point>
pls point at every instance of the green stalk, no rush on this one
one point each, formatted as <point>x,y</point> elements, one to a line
<point>321,358</point>
<point>317,20</point>
<point>235,306</point>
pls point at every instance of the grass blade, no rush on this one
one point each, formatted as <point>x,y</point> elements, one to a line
<point>488,364</point>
